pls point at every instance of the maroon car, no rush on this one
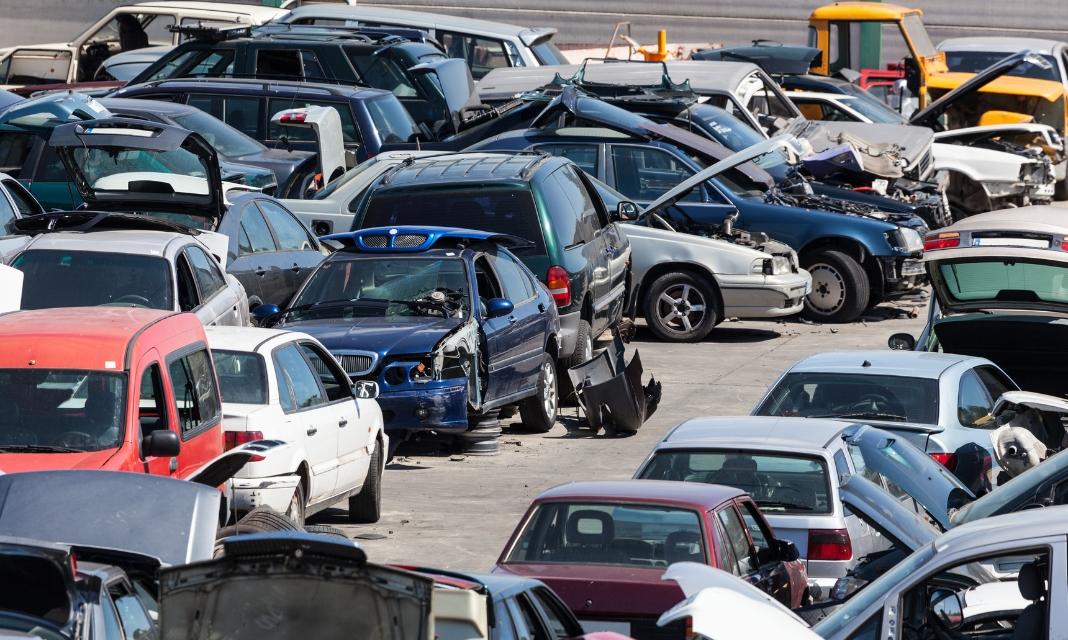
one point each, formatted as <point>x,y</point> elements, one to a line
<point>603,547</point>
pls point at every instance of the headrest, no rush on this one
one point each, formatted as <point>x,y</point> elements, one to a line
<point>1032,581</point>
<point>590,527</point>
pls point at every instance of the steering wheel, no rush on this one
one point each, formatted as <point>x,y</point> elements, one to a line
<point>872,401</point>
<point>661,222</point>
<point>140,301</point>
<point>74,439</point>
<point>792,495</point>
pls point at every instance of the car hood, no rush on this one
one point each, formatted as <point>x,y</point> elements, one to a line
<point>177,525</point>
<point>928,117</point>
<point>912,141</point>
<point>773,59</point>
<point>885,513</point>
<point>292,584</point>
<point>652,239</point>
<point>142,190</point>
<point>390,335</point>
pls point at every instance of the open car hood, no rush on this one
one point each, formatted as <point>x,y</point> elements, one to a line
<point>886,513</point>
<point>928,116</point>
<point>1039,401</point>
<point>870,139</point>
<point>171,520</point>
<point>155,174</point>
<point>454,84</point>
<point>276,586</point>
<point>774,59</point>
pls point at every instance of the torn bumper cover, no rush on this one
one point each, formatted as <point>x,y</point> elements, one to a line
<point>436,405</point>
<point>275,492</point>
<point>610,391</point>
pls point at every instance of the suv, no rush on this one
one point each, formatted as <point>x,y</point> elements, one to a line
<point>577,250</point>
<point>135,391</point>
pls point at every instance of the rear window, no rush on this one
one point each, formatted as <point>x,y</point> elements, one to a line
<point>90,278</point>
<point>779,483</point>
<point>1007,281</point>
<point>547,53</point>
<point>242,376</point>
<point>498,209</point>
<point>856,396</point>
<point>392,120</point>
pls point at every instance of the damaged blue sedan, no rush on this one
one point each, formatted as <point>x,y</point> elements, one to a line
<point>449,323</point>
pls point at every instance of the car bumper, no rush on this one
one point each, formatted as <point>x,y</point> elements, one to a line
<point>902,275</point>
<point>442,407</point>
<point>758,296</point>
<point>569,324</point>
<point>274,492</point>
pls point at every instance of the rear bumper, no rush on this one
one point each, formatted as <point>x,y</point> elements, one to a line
<point>758,296</point>
<point>441,407</point>
<point>274,492</point>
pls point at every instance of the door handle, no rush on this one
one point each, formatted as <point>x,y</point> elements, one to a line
<point>342,422</point>
<point>312,431</point>
<point>295,268</point>
<point>260,272</point>
<point>512,319</point>
<point>541,307</point>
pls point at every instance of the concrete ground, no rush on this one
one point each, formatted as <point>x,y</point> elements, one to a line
<point>457,512</point>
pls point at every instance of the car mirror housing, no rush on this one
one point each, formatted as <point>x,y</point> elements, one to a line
<point>161,443</point>
<point>626,211</point>
<point>946,608</point>
<point>497,307</point>
<point>264,313</point>
<point>365,389</point>
<point>787,551</point>
<point>901,342</point>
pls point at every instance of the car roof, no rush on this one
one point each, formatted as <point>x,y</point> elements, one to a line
<point>861,11</point>
<point>413,18</point>
<point>468,167</point>
<point>912,364</point>
<point>1000,44</point>
<point>1036,218</point>
<point>1029,523</point>
<point>266,13</point>
<point>758,432</point>
<point>692,494</point>
<point>132,241</point>
<point>257,84</point>
<point>250,339</point>
<point>706,76</point>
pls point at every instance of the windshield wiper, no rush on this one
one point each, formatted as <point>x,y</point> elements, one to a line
<point>771,504</point>
<point>873,415</point>
<point>36,448</point>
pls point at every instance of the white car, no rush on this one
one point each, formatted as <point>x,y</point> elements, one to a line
<point>125,28</point>
<point>285,387</point>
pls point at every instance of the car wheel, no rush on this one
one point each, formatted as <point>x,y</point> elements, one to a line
<point>266,519</point>
<point>538,412</point>
<point>366,506</point>
<point>583,352</point>
<point>840,288</point>
<point>680,307</point>
<point>297,504</point>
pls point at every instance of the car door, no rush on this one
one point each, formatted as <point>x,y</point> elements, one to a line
<point>742,554</point>
<point>197,407</point>
<point>501,337</point>
<point>218,301</point>
<point>527,322</point>
<point>298,252</point>
<point>616,245</point>
<point>561,622</point>
<point>772,573</point>
<point>308,417</point>
<point>343,412</point>
<point>154,412</point>
<point>255,266</point>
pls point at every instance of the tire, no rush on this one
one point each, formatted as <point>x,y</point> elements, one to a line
<point>538,412</point>
<point>840,288</point>
<point>680,307</point>
<point>297,506</point>
<point>267,519</point>
<point>583,352</point>
<point>366,506</point>
<point>325,530</point>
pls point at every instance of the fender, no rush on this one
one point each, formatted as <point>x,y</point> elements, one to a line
<point>981,165</point>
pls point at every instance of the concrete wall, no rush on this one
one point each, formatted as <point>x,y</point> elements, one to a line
<point>590,21</point>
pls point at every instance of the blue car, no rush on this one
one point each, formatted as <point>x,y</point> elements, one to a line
<point>448,322</point>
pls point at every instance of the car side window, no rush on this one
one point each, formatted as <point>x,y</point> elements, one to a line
<point>296,377</point>
<point>758,531</point>
<point>995,381</point>
<point>646,173</point>
<point>24,202</point>
<point>482,54</point>
<point>136,624</point>
<point>581,200</point>
<point>206,270</point>
<point>188,298</point>
<point>255,234</point>
<point>15,150</point>
<point>739,541</point>
<point>505,628</point>
<point>517,287</point>
<point>7,214</point>
<point>111,619</point>
<point>586,156</point>
<point>244,113</point>
<point>193,385</point>
<point>50,167</point>
<point>486,281</point>
<point>334,381</point>
<point>725,557</point>
<point>558,617</point>
<point>973,402</point>
<point>526,619</point>
<point>152,405</point>
<point>291,234</point>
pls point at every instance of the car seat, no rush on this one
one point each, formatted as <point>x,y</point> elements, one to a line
<point>683,546</point>
<point>131,34</point>
<point>739,472</point>
<point>1032,584</point>
<point>584,545</point>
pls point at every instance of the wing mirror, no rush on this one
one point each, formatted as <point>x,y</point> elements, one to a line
<point>787,550</point>
<point>365,389</point>
<point>497,307</point>
<point>626,211</point>
<point>901,342</point>
<point>264,313</point>
<point>161,443</point>
<point>946,609</point>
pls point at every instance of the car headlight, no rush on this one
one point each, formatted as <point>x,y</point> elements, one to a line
<point>773,266</point>
<point>905,239</point>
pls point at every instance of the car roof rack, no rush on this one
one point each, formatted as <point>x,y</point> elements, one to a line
<point>201,33</point>
<point>375,34</point>
<point>85,220</point>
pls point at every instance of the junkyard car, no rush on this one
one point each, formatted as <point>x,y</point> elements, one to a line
<point>284,385</point>
<point>125,28</point>
<point>448,322</point>
<point>603,547</point>
<point>938,401</point>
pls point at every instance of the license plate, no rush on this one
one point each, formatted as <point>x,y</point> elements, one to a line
<point>589,626</point>
<point>1036,243</point>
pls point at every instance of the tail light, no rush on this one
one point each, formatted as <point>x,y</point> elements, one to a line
<point>829,544</point>
<point>946,240</point>
<point>947,460</point>
<point>559,285</point>
<point>291,117</point>
<point>232,439</point>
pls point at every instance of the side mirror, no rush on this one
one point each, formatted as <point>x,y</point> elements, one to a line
<point>946,609</point>
<point>787,550</point>
<point>263,313</point>
<point>626,211</point>
<point>365,389</point>
<point>901,342</point>
<point>161,443</point>
<point>497,307</point>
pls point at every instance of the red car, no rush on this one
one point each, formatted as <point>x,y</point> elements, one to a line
<point>114,388</point>
<point>603,548</point>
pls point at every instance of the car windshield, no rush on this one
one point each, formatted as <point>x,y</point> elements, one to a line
<point>976,61</point>
<point>504,209</point>
<point>778,482</point>
<point>871,108</point>
<point>616,534</point>
<point>59,410</point>
<point>873,593</point>
<point>847,395</point>
<point>227,140</point>
<point>242,376</point>
<point>92,278</point>
<point>384,286</point>
<point>1015,493</point>
<point>1014,280</point>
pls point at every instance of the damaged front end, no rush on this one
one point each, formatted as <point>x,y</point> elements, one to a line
<point>610,390</point>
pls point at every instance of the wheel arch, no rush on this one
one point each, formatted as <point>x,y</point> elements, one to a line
<point>852,248</point>
<point>668,267</point>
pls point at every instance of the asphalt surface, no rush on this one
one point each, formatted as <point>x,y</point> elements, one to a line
<point>453,511</point>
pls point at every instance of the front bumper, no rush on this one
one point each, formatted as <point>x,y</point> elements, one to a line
<point>438,406</point>
<point>901,275</point>
<point>759,296</point>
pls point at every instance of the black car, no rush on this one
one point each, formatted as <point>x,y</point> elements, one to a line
<point>578,251</point>
<point>370,118</point>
